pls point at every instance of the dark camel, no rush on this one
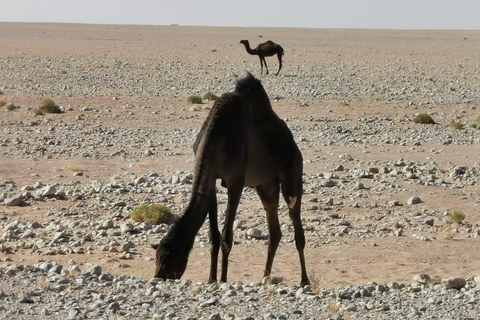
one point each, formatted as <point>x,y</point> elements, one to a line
<point>243,143</point>
<point>266,49</point>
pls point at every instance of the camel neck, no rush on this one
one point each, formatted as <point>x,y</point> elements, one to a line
<point>249,50</point>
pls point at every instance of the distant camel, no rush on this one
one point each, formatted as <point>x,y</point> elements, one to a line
<point>266,49</point>
<point>243,143</point>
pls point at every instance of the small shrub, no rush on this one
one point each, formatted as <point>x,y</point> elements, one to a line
<point>155,213</point>
<point>476,123</point>
<point>397,225</point>
<point>48,106</point>
<point>210,96</point>
<point>44,285</point>
<point>3,103</point>
<point>457,216</point>
<point>423,118</point>
<point>10,107</point>
<point>437,279</point>
<point>1,93</point>
<point>456,125</point>
<point>193,99</point>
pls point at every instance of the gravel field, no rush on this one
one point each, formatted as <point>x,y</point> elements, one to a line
<point>379,189</point>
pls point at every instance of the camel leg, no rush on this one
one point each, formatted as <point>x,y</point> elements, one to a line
<point>265,63</point>
<point>269,194</point>
<point>291,181</point>
<point>261,65</point>
<point>279,55</point>
<point>214,237</point>
<point>234,194</point>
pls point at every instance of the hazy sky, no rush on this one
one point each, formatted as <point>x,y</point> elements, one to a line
<point>384,14</point>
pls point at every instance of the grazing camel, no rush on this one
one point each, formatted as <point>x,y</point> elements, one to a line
<point>266,49</point>
<point>243,143</point>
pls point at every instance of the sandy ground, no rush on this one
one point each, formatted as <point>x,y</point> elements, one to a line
<point>347,260</point>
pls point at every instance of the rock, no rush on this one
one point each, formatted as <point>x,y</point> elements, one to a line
<point>25,298</point>
<point>48,191</point>
<point>454,283</point>
<point>254,233</point>
<point>429,221</point>
<point>328,183</point>
<point>127,227</point>
<point>422,278</point>
<point>414,200</point>
<point>359,186</point>
<point>269,280</point>
<point>477,279</point>
<point>13,201</point>
<point>96,270</point>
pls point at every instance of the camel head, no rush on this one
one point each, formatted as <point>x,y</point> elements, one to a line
<point>170,262</point>
<point>245,42</point>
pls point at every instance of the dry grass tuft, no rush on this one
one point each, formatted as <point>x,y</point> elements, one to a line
<point>423,118</point>
<point>155,213</point>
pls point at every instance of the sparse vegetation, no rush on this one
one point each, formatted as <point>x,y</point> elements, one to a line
<point>397,225</point>
<point>456,125</point>
<point>315,283</point>
<point>11,107</point>
<point>48,106</point>
<point>1,93</point>
<point>155,213</point>
<point>437,279</point>
<point>44,285</point>
<point>476,123</point>
<point>194,99</point>
<point>457,217</point>
<point>38,112</point>
<point>3,103</point>
<point>423,118</point>
<point>210,96</point>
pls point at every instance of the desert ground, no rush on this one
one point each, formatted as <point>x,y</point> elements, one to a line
<point>349,97</point>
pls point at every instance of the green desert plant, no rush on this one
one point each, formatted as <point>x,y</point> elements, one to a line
<point>457,216</point>
<point>210,96</point>
<point>456,125</point>
<point>154,213</point>
<point>194,99</point>
<point>48,106</point>
<point>423,118</point>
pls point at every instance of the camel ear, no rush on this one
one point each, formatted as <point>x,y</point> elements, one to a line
<point>154,246</point>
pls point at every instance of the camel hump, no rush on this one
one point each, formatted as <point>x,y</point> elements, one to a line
<point>248,83</point>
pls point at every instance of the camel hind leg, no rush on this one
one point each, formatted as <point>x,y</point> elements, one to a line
<point>279,55</point>
<point>291,181</point>
<point>214,237</point>
<point>269,194</point>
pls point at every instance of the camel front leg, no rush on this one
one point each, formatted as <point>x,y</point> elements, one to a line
<point>265,63</point>
<point>234,194</point>
<point>214,237</point>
